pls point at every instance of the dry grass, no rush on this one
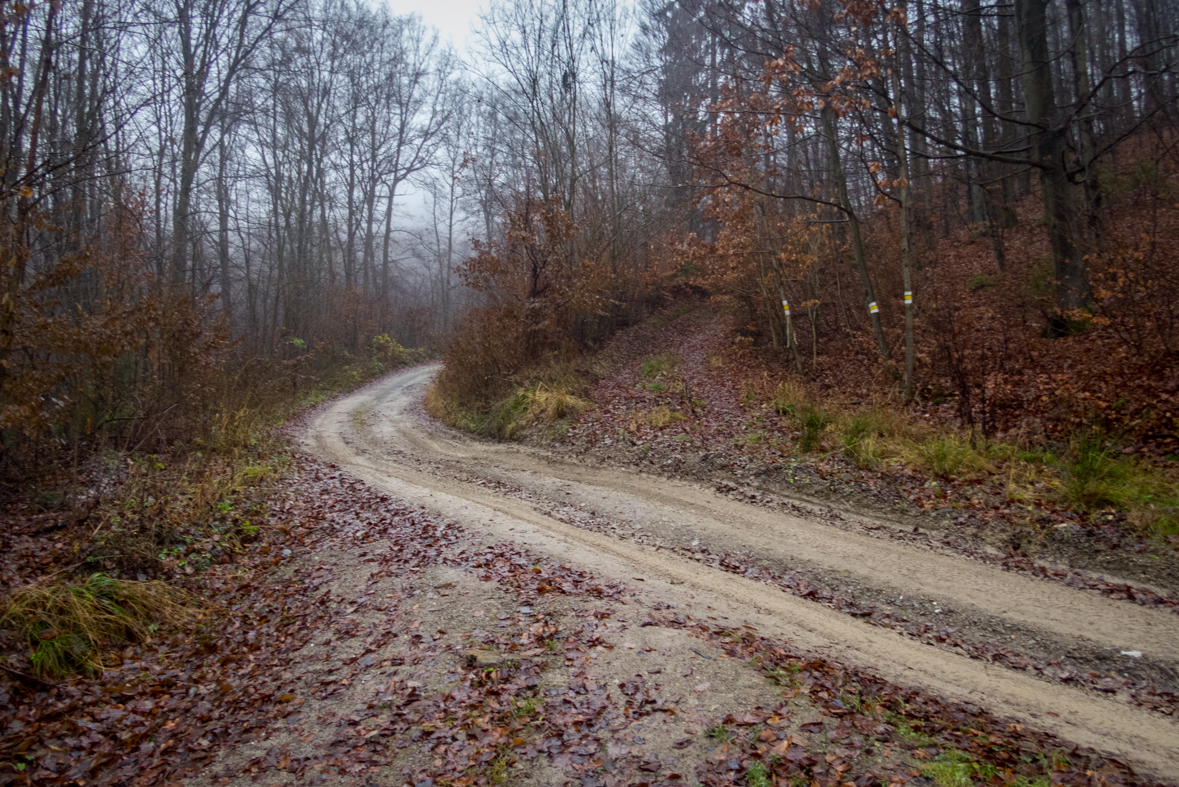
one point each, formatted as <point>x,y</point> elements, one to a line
<point>659,366</point>
<point>67,625</point>
<point>550,406</point>
<point>659,418</point>
<point>947,456</point>
<point>546,394</point>
<point>1028,482</point>
<point>877,433</point>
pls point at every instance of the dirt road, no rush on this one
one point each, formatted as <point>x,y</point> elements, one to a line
<point>539,499</point>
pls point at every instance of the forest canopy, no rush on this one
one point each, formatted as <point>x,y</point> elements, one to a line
<point>948,195</point>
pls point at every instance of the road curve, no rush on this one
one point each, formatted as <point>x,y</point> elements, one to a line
<point>378,435</point>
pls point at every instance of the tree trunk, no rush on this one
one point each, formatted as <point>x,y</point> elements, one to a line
<point>1094,212</point>
<point>902,154</point>
<point>857,242</point>
<point>1049,150</point>
<point>224,280</point>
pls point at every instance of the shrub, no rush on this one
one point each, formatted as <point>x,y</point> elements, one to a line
<point>390,351</point>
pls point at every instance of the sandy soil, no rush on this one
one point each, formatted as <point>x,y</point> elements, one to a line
<point>625,526</point>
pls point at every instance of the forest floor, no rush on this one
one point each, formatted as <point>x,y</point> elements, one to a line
<point>1037,649</point>
<point>425,608</point>
<point>712,419</point>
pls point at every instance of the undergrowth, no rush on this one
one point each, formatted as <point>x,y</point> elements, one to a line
<point>1090,474</point>
<point>547,395</point>
<point>140,523</point>
<point>659,366</point>
<point>67,624</point>
<point>259,396</point>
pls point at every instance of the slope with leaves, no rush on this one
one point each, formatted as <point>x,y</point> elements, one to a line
<point>729,414</point>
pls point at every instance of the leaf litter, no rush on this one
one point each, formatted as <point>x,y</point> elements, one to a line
<point>344,648</point>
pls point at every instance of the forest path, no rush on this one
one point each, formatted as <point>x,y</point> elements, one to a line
<point>547,502</point>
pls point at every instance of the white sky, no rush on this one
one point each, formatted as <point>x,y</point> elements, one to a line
<point>453,18</point>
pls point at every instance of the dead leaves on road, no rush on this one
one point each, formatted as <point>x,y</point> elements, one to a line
<point>301,675</point>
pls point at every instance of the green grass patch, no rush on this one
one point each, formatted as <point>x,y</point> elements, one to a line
<point>1090,475</point>
<point>1095,476</point>
<point>659,366</point>
<point>68,624</point>
<point>865,435</point>
<point>906,732</point>
<point>527,708</point>
<point>719,732</point>
<point>949,456</point>
<point>980,282</point>
<point>758,775</point>
<point>953,768</point>
<point>1031,781</point>
<point>792,401</point>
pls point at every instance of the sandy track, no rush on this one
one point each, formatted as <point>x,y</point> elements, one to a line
<point>375,435</point>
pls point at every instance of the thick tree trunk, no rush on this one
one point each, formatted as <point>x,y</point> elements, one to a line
<point>1007,110</point>
<point>1049,150</point>
<point>1094,210</point>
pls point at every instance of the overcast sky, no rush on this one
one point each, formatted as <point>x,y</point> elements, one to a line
<point>453,18</point>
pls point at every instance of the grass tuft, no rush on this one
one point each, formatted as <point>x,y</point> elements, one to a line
<point>548,397</point>
<point>792,401</point>
<point>757,775</point>
<point>814,421</point>
<point>67,625</point>
<point>949,456</point>
<point>956,769</point>
<point>659,366</point>
<point>867,433</point>
<point>1095,477</point>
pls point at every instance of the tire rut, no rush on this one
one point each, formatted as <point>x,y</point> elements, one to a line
<point>397,453</point>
